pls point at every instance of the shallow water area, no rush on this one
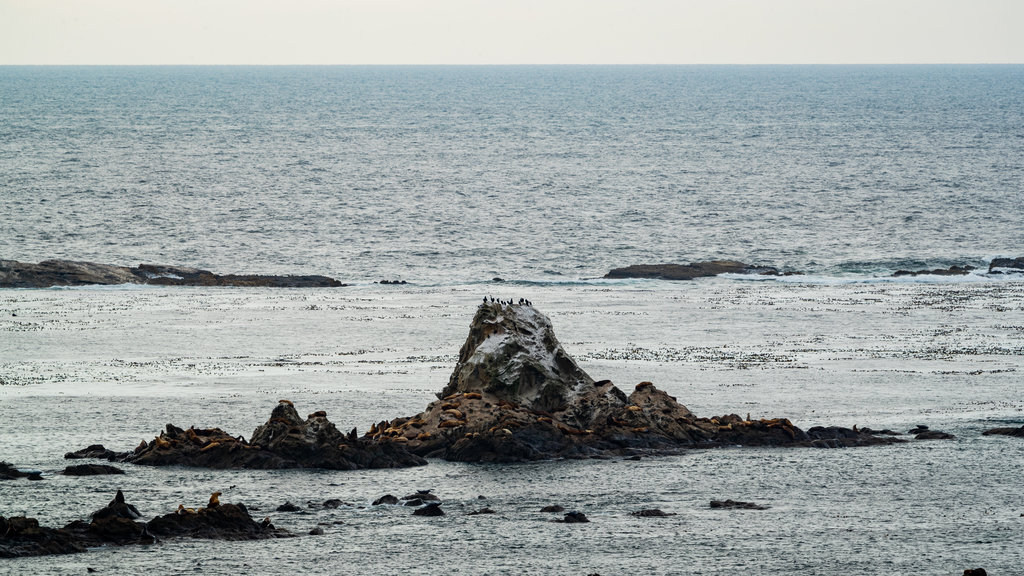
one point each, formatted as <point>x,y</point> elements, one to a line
<point>113,366</point>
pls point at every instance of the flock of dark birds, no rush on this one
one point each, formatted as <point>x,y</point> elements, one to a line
<point>509,302</point>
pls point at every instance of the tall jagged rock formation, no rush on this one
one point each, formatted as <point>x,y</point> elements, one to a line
<point>516,395</point>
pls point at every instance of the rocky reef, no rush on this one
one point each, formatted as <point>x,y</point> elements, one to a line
<point>284,441</point>
<point>1007,265</point>
<point>516,395</point>
<point>14,274</point>
<point>691,271</point>
<point>951,271</point>
<point>117,524</point>
<point>1017,432</point>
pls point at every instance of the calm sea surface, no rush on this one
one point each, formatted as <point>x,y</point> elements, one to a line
<point>547,177</point>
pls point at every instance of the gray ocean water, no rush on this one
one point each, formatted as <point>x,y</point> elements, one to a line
<point>542,173</point>
<point>548,177</point>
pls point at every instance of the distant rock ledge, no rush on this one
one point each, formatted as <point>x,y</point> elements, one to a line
<point>14,274</point>
<point>693,270</point>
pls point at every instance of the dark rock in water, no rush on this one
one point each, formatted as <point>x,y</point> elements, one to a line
<point>21,536</point>
<point>48,273</point>
<point>35,476</point>
<point>839,437</point>
<point>95,451</point>
<point>91,470</point>
<point>385,499</point>
<point>690,271</point>
<point>334,503</point>
<point>223,522</point>
<point>483,510</point>
<point>574,518</point>
<point>885,432</point>
<point>393,282</point>
<point>432,509</point>
<point>116,524</point>
<point>975,572</point>
<point>1007,266</point>
<point>288,507</point>
<point>516,395</point>
<point>951,271</point>
<point>423,495</point>
<point>553,508</point>
<point>651,513</point>
<point>933,435</point>
<point>734,505</point>
<point>497,279</point>
<point>117,508</point>
<point>9,472</point>
<point>1018,432</point>
<point>918,429</point>
<point>413,502</point>
<point>285,441</point>
<point>317,531</point>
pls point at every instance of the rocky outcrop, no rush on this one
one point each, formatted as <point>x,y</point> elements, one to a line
<point>951,271</point>
<point>1017,432</point>
<point>96,451</point>
<point>735,505</point>
<point>117,524</point>
<point>21,536</point>
<point>91,470</point>
<point>284,441</point>
<point>1006,266</point>
<point>14,274</point>
<point>516,395</point>
<point>692,270</point>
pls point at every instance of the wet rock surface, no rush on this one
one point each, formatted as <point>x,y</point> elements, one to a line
<point>432,509</point>
<point>690,271</point>
<point>118,524</point>
<point>951,271</point>
<point>1006,265</point>
<point>95,451</point>
<point>574,518</point>
<point>1017,432</point>
<point>736,505</point>
<point>284,441</point>
<point>516,395</point>
<point>91,470</point>
<point>651,513</point>
<point>14,274</point>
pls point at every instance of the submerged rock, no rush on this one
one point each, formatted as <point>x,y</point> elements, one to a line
<point>951,271</point>
<point>1018,432</point>
<point>553,508</point>
<point>690,271</point>
<point>386,499</point>
<point>651,513</point>
<point>735,505</point>
<point>516,395</point>
<point>1007,266</point>
<point>284,441</point>
<point>14,274</point>
<point>95,451</point>
<point>574,518</point>
<point>91,470</point>
<point>432,509</point>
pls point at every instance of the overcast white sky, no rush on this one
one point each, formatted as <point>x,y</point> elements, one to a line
<point>510,32</point>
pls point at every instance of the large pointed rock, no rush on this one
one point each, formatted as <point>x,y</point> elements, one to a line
<point>517,395</point>
<point>512,353</point>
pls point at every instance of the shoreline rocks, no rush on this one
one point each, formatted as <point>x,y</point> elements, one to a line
<point>48,273</point>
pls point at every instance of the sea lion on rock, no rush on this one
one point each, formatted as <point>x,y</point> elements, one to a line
<point>214,500</point>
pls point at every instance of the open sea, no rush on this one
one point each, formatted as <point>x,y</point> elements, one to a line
<point>547,177</point>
